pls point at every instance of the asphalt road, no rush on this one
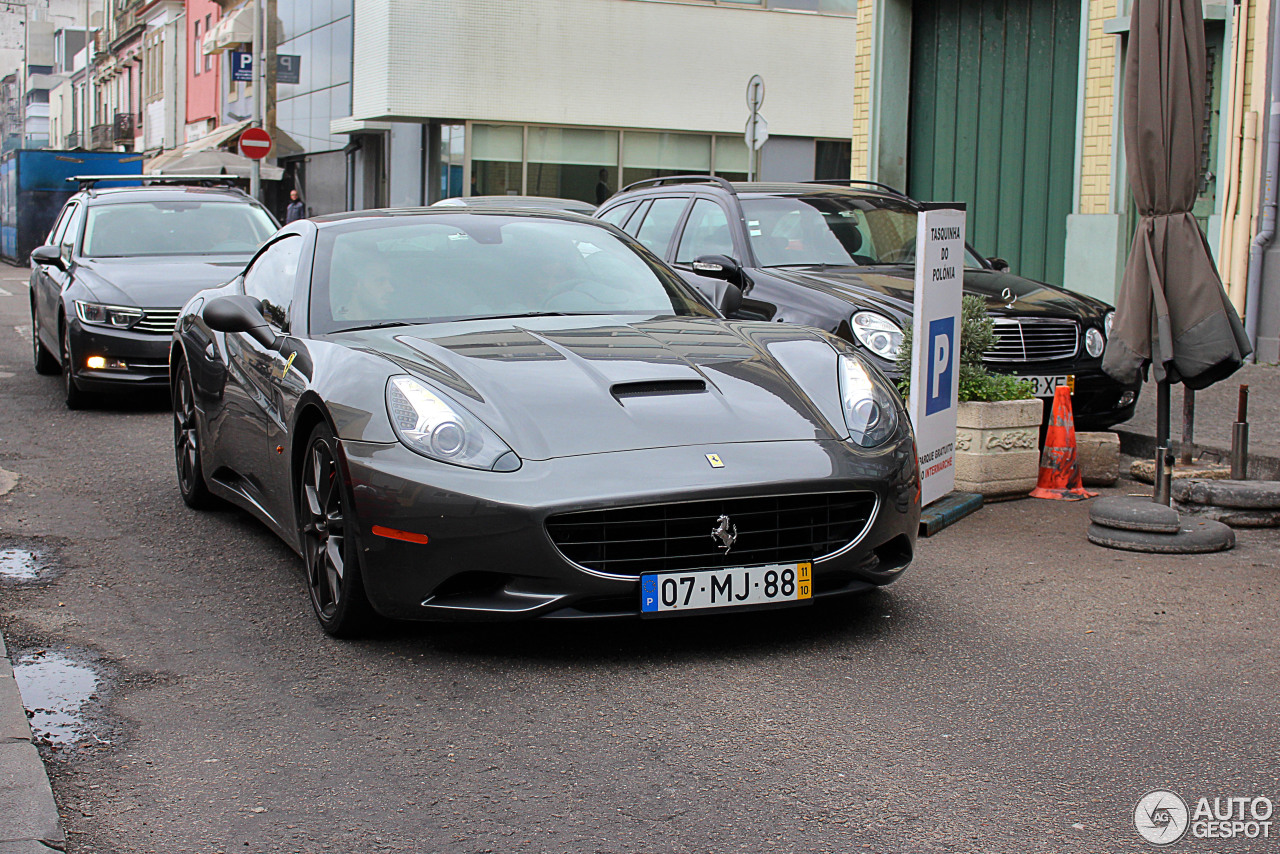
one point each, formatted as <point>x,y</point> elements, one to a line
<point>1018,691</point>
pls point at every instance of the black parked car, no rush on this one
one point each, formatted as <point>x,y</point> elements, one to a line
<point>542,203</point>
<point>454,413</point>
<point>117,267</point>
<point>843,259</point>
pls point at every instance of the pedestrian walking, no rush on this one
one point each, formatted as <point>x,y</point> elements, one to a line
<point>296,209</point>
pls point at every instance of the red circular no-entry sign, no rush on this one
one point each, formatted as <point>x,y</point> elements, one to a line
<point>255,143</point>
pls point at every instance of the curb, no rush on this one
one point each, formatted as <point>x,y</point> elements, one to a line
<point>1261,466</point>
<point>29,821</point>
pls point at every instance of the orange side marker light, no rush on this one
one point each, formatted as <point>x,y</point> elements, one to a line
<point>407,536</point>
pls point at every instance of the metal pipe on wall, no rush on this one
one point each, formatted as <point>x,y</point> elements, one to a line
<point>1267,229</point>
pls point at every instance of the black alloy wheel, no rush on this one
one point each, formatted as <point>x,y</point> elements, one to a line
<point>76,399</point>
<point>45,362</point>
<point>186,443</point>
<point>329,545</point>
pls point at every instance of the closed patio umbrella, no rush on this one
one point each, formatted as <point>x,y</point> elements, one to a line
<point>1172,312</point>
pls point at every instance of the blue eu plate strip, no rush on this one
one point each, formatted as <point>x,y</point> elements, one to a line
<point>648,593</point>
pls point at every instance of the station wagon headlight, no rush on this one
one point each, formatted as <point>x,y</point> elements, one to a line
<point>1093,342</point>
<point>442,430</point>
<point>877,333</point>
<point>870,405</point>
<point>117,316</point>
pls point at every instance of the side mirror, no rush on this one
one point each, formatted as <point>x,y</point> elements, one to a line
<point>48,254</point>
<point>730,299</point>
<point>240,313</point>
<point>999,265</point>
<point>717,267</point>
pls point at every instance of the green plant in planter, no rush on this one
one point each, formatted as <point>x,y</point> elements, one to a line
<point>977,335</point>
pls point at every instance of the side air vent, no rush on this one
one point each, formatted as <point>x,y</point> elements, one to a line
<point>656,388</point>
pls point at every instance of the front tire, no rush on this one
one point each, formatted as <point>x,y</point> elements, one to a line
<point>186,444</point>
<point>329,541</point>
<point>76,398</point>
<point>45,362</point>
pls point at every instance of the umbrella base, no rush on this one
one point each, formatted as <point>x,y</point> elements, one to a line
<point>1140,525</point>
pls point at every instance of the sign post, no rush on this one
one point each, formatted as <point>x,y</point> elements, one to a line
<point>757,129</point>
<point>935,344</point>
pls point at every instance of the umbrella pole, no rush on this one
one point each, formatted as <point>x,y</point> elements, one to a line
<point>1164,458</point>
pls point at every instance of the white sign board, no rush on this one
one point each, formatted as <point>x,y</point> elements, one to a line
<point>935,347</point>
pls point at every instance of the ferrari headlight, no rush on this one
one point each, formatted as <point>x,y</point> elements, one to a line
<point>1106,322</point>
<point>442,430</point>
<point>1093,342</point>
<point>870,406</point>
<point>97,314</point>
<point>878,334</point>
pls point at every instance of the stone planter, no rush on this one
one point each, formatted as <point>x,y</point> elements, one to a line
<point>998,447</point>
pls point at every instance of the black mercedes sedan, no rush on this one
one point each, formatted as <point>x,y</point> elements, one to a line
<point>843,259</point>
<point>471,414</point>
<point>116,268</point>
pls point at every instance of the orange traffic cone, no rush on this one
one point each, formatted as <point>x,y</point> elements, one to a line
<point>1059,468</point>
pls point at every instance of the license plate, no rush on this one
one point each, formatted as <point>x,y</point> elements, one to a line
<point>700,590</point>
<point>1044,386</point>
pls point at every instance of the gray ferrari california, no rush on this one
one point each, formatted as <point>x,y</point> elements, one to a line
<point>489,415</point>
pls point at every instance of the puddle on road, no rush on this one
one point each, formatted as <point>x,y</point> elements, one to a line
<point>55,691</point>
<point>20,564</point>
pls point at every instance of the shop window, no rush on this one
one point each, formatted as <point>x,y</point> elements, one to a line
<point>653,155</point>
<point>497,156</point>
<point>832,159</point>
<point>731,158</point>
<point>573,163</point>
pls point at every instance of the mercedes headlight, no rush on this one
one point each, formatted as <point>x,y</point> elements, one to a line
<point>1106,322</point>
<point>878,334</point>
<point>1093,342</point>
<point>870,405</point>
<point>442,430</point>
<point>118,316</point>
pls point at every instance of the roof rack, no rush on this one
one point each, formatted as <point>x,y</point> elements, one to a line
<point>681,179</point>
<point>88,182</point>
<point>849,182</point>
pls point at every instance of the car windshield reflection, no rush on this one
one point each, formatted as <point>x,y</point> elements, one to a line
<point>833,230</point>
<point>448,268</point>
<point>142,229</point>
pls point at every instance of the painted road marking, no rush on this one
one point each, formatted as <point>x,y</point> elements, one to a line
<point>4,293</point>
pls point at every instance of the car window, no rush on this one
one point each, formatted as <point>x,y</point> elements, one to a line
<point>72,228</point>
<point>182,227</point>
<point>660,224</point>
<point>271,279</point>
<point>446,268</point>
<point>633,224</point>
<point>55,233</point>
<point>705,233</point>
<point>617,216</point>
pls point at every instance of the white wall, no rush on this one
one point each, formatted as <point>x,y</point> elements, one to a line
<point>610,63</point>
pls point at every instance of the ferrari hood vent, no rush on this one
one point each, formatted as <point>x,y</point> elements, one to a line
<point>655,388</point>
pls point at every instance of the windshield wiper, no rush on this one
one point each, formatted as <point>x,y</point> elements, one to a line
<point>535,314</point>
<point>387,325</point>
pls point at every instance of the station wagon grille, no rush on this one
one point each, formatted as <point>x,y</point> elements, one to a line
<point>1028,339</point>
<point>667,537</point>
<point>158,320</point>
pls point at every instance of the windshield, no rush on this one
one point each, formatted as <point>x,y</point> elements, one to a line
<point>830,229</point>
<point>131,229</point>
<point>437,268</point>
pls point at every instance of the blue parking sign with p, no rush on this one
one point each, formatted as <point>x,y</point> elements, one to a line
<point>941,364</point>
<point>242,65</point>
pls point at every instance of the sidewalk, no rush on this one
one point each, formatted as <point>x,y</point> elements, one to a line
<point>28,814</point>
<point>1214,415</point>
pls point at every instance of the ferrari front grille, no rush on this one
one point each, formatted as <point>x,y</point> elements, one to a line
<point>631,541</point>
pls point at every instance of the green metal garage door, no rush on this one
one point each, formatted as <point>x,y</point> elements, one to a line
<point>993,114</point>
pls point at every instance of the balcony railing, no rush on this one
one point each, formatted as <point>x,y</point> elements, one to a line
<point>123,127</point>
<point>73,140</point>
<point>100,137</point>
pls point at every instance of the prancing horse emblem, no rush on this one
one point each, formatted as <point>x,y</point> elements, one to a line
<point>726,532</point>
<point>1008,296</point>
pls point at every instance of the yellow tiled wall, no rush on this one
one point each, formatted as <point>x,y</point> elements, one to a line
<point>859,162</point>
<point>1100,105</point>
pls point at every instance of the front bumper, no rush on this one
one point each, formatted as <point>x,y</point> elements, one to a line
<point>489,556</point>
<point>1097,402</point>
<point>138,360</point>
